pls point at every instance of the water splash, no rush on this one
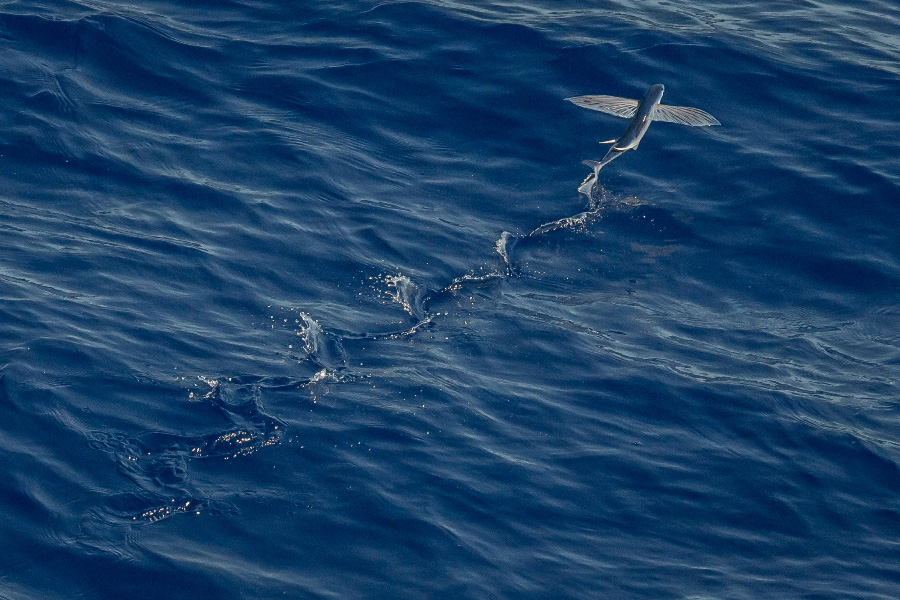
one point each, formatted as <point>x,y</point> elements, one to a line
<point>577,223</point>
<point>311,334</point>
<point>322,348</point>
<point>502,246</point>
<point>407,294</point>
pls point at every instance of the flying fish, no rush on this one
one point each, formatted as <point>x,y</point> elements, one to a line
<point>641,114</point>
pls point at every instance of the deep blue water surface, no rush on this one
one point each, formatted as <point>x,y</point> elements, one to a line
<point>301,300</point>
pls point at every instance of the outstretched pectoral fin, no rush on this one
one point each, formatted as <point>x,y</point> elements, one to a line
<point>612,141</point>
<point>612,105</point>
<point>685,115</point>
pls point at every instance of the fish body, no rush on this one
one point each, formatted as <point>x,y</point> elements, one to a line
<point>640,122</point>
<point>641,113</point>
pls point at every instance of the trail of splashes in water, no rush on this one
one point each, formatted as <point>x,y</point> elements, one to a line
<point>596,201</point>
<point>407,294</point>
<point>323,349</point>
<point>576,223</point>
<point>311,333</point>
<point>502,247</point>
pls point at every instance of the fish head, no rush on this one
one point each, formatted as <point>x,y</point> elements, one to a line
<point>654,94</point>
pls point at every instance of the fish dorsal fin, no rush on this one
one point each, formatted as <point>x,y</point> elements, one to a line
<point>612,105</point>
<point>685,115</point>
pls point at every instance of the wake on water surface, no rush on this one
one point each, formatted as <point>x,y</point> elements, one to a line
<point>238,398</point>
<point>323,347</point>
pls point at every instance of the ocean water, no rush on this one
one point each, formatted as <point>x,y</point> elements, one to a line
<point>301,300</point>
